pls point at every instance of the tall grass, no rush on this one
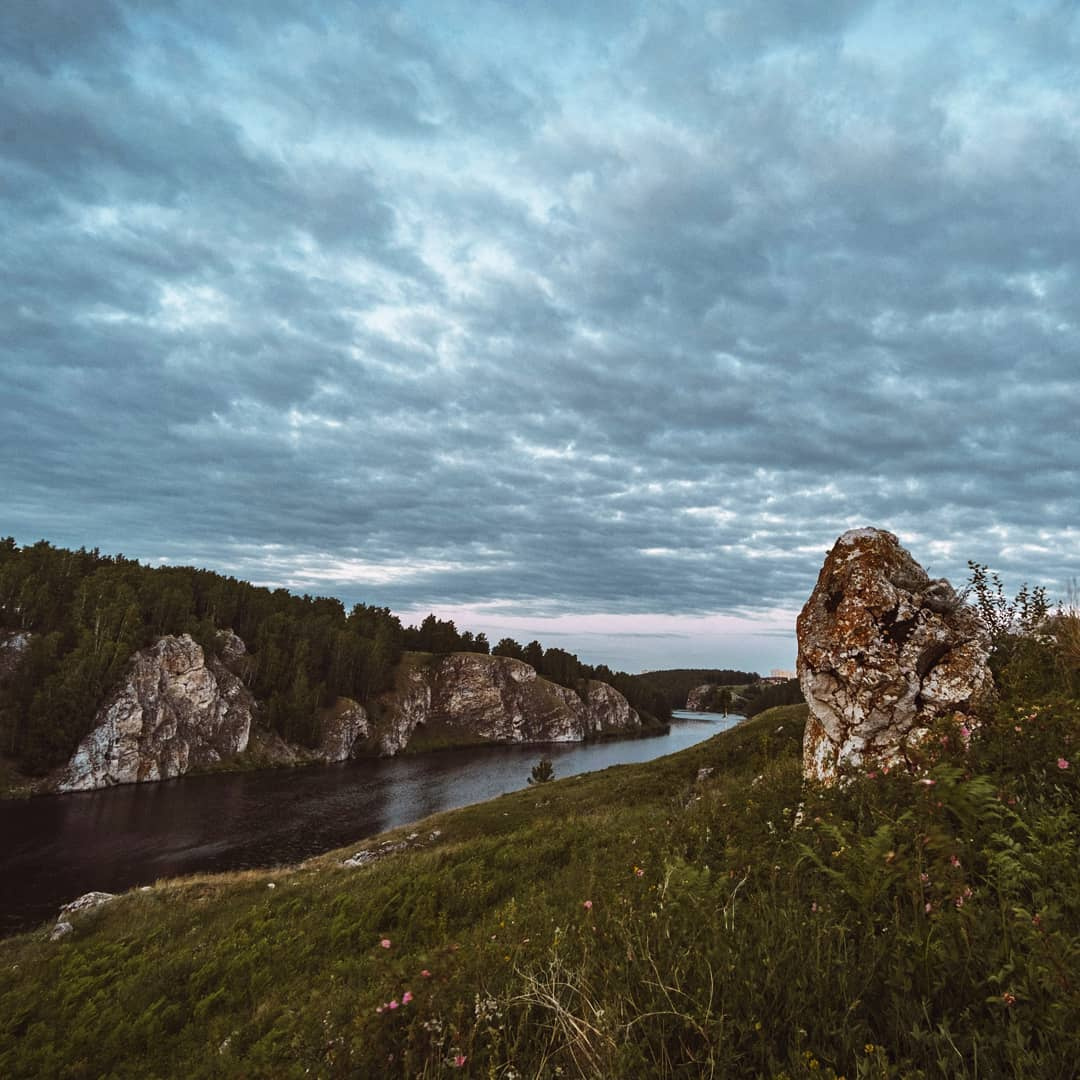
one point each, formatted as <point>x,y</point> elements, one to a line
<point>661,920</point>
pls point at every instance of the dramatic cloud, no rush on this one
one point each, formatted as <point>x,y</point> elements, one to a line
<point>593,325</point>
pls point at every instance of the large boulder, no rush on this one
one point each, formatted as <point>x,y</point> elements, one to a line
<point>174,711</point>
<point>883,650</point>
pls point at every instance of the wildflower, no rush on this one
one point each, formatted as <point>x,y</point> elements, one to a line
<point>813,906</point>
<point>459,1061</point>
<point>871,775</point>
<point>1062,763</point>
<point>393,1004</point>
<point>587,905</point>
<point>928,907</point>
<point>406,997</point>
<point>638,872</point>
<point>924,877</point>
<point>926,781</point>
<point>1009,999</point>
<point>965,734</point>
<point>954,860</point>
<point>959,901</point>
<point>385,943</point>
<point>378,1008</point>
<point>425,974</point>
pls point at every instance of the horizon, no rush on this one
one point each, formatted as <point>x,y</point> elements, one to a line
<point>591,326</point>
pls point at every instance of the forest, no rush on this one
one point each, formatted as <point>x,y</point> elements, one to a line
<point>86,613</point>
<point>676,683</point>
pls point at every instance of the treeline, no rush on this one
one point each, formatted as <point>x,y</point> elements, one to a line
<point>764,696</point>
<point>676,683</point>
<point>86,613</point>
<point>567,670</point>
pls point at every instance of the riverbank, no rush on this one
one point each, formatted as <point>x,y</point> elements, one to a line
<point>702,914</point>
<point>129,835</point>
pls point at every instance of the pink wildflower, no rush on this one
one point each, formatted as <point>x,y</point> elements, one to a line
<point>954,860</point>
<point>1062,763</point>
<point>406,997</point>
<point>638,871</point>
<point>587,905</point>
<point>1009,999</point>
<point>378,1008</point>
<point>813,906</point>
<point>425,974</point>
<point>393,1004</point>
<point>459,1060</point>
<point>871,775</point>
<point>385,943</point>
<point>928,907</point>
<point>927,782</point>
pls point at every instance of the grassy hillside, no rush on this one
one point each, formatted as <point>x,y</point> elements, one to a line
<point>648,920</point>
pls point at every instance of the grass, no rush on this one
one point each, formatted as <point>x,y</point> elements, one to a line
<point>701,915</point>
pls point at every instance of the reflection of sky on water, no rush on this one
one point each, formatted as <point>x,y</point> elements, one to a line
<point>53,849</point>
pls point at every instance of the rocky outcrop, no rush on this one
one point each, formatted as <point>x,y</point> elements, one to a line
<point>13,647</point>
<point>179,710</point>
<point>699,698</point>
<point>341,730</point>
<point>883,649</point>
<point>174,711</point>
<point>471,697</point>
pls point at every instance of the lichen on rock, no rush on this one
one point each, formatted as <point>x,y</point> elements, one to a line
<point>883,650</point>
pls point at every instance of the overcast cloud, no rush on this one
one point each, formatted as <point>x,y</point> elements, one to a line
<point>599,325</point>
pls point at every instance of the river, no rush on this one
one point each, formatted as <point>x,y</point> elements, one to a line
<point>55,848</point>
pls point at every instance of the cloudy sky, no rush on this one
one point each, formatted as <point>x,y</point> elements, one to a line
<point>593,322</point>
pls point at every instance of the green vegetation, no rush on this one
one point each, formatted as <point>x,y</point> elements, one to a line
<point>86,613</point>
<point>706,914</point>
<point>676,683</point>
<point>702,915</point>
<point>761,696</point>
<point>543,772</point>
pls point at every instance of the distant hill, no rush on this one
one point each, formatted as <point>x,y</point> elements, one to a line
<point>675,683</point>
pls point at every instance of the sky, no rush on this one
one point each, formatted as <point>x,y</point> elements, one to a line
<point>596,323</point>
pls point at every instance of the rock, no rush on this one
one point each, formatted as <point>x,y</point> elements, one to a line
<point>174,710</point>
<point>86,902</point>
<point>472,697</point>
<point>698,698</point>
<point>61,930</point>
<point>13,647</point>
<point>883,650</point>
<point>340,729</point>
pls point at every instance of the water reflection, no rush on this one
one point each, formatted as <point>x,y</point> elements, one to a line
<point>53,849</point>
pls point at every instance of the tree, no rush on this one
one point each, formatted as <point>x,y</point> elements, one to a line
<point>542,772</point>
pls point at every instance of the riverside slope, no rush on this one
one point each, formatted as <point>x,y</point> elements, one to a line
<point>178,710</point>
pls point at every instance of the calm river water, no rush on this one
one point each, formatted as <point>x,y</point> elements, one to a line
<point>55,848</point>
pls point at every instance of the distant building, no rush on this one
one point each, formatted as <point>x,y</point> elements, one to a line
<point>777,676</point>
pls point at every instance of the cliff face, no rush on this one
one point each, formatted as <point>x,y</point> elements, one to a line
<point>178,710</point>
<point>466,697</point>
<point>174,711</point>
